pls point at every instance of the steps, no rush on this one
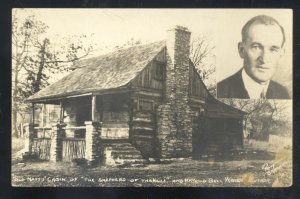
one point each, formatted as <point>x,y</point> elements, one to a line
<point>122,154</point>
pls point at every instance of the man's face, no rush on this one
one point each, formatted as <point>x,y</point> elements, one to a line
<point>262,51</point>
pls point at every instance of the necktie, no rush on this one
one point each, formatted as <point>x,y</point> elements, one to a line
<point>263,94</point>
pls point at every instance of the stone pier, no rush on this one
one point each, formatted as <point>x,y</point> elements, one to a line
<point>92,141</point>
<point>56,142</point>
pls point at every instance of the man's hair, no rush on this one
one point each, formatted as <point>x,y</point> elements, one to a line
<point>261,19</point>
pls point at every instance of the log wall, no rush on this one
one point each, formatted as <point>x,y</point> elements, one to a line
<point>217,135</point>
<point>153,75</point>
<point>143,130</point>
<point>114,114</point>
<point>143,121</point>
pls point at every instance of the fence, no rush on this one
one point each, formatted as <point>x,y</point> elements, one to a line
<point>74,148</point>
<point>42,142</point>
<point>51,143</point>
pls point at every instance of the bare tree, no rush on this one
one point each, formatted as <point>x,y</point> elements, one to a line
<point>267,112</point>
<point>34,59</point>
<point>202,55</point>
<point>22,33</point>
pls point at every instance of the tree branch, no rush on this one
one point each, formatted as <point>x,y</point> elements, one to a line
<point>68,61</point>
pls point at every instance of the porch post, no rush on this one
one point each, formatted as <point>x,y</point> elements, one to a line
<point>94,108</point>
<point>56,142</point>
<point>32,108</point>
<point>29,135</point>
<point>92,141</point>
<point>43,115</point>
<point>61,115</point>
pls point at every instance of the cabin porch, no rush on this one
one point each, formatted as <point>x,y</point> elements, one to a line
<point>93,128</point>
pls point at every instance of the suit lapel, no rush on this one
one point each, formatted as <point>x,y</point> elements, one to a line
<point>270,91</point>
<point>239,86</point>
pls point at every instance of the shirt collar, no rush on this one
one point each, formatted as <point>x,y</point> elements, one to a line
<point>253,88</point>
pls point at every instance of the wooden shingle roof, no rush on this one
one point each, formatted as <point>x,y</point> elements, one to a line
<point>110,71</point>
<point>216,108</point>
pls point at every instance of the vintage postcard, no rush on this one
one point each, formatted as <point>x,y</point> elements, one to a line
<point>152,97</point>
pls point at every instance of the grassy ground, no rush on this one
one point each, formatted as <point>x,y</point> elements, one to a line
<point>251,167</point>
<point>17,144</point>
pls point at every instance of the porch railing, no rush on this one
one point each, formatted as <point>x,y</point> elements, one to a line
<point>41,147</point>
<point>51,143</point>
<point>73,147</point>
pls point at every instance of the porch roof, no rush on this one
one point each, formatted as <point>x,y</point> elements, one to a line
<point>216,108</point>
<point>105,72</point>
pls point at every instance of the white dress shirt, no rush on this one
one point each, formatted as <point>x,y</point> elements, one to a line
<point>253,88</point>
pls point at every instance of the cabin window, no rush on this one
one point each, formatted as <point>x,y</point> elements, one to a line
<point>159,70</point>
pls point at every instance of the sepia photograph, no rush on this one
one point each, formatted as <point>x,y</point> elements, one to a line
<point>151,98</point>
<point>258,59</point>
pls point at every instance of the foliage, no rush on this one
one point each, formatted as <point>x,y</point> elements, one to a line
<point>131,42</point>
<point>36,58</point>
<point>269,113</point>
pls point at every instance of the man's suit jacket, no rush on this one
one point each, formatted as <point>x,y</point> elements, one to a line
<point>233,87</point>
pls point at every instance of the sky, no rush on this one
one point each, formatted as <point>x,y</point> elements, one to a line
<point>111,27</point>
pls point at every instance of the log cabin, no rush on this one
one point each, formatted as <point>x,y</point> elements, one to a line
<point>128,106</point>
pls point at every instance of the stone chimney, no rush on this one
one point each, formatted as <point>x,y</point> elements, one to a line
<point>178,49</point>
<point>174,119</point>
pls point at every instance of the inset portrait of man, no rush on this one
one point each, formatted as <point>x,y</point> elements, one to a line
<point>261,48</point>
